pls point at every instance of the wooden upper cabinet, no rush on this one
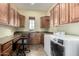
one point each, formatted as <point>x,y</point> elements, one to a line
<point>18,20</point>
<point>45,22</point>
<point>15,20</point>
<point>56,15</point>
<point>52,16</point>
<point>74,12</point>
<point>22,21</point>
<point>77,12</point>
<point>4,13</point>
<point>11,15</point>
<point>64,13</point>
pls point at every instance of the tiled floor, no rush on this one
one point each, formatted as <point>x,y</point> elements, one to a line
<point>36,50</point>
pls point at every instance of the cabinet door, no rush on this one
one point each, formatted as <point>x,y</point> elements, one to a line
<point>45,22</point>
<point>16,21</point>
<point>37,38</point>
<point>42,22</point>
<point>74,12</point>
<point>32,38</point>
<point>11,16</point>
<point>22,20</point>
<point>64,13</point>
<point>56,15</point>
<point>42,38</point>
<point>52,16</point>
<point>4,13</point>
<point>8,51</point>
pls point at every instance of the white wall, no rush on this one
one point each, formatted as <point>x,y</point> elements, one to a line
<point>72,28</point>
<point>6,31</point>
<point>37,15</point>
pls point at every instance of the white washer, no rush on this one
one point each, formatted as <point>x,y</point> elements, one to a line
<point>71,46</point>
<point>47,47</point>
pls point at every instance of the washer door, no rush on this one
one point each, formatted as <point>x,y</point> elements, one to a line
<point>56,50</point>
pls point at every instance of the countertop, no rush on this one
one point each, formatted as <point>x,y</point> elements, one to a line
<point>24,32</point>
<point>8,38</point>
<point>71,37</point>
<point>65,37</point>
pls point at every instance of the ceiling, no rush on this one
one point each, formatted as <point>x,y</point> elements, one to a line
<point>34,6</point>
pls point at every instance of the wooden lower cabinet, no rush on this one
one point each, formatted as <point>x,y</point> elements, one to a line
<point>42,38</point>
<point>6,49</point>
<point>35,38</point>
<point>6,45</point>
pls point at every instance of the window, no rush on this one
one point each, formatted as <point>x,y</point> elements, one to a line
<point>31,23</point>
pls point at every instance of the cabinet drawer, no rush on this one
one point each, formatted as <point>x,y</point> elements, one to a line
<point>6,45</point>
<point>7,52</point>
